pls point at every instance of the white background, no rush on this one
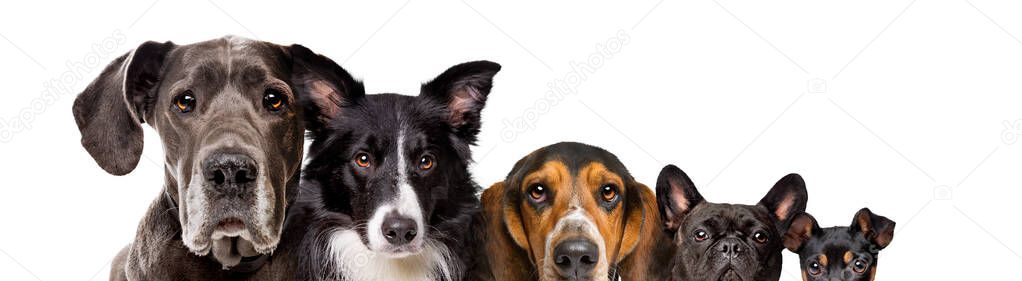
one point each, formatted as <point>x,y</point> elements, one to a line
<point>908,107</point>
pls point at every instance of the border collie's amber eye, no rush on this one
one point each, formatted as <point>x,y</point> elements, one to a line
<point>701,235</point>
<point>859,266</point>
<point>760,237</point>
<point>609,192</point>
<point>185,102</point>
<point>273,100</point>
<point>426,162</point>
<point>362,159</point>
<point>537,192</point>
<point>814,268</point>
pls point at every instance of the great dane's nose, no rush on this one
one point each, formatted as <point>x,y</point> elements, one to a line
<point>229,169</point>
<point>399,230</point>
<point>731,247</point>
<point>576,257</point>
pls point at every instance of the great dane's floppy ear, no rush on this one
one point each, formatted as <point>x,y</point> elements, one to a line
<point>110,111</point>
<point>676,195</point>
<point>323,87</point>
<point>463,88</point>
<point>803,227</point>
<point>786,199</point>
<point>877,229</point>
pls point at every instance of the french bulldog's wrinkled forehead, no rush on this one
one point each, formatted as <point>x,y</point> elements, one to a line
<point>733,215</point>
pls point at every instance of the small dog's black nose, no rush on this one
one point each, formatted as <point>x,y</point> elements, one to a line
<point>731,247</point>
<point>224,169</point>
<point>399,230</point>
<point>576,257</point>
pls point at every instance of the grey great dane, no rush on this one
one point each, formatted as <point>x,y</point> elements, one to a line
<point>230,113</point>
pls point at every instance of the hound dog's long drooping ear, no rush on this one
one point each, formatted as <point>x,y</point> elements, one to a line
<point>635,217</point>
<point>463,89</point>
<point>111,110</point>
<point>877,229</point>
<point>506,235</point>
<point>786,199</point>
<point>323,87</point>
<point>803,227</point>
<point>676,195</point>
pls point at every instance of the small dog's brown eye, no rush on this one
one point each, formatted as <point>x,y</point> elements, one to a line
<point>426,162</point>
<point>814,268</point>
<point>185,102</point>
<point>537,192</point>
<point>859,266</point>
<point>362,159</point>
<point>760,237</point>
<point>701,235</point>
<point>273,100</point>
<point>609,192</point>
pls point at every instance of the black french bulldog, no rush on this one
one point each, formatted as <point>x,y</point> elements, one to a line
<point>839,253</point>
<point>726,242</point>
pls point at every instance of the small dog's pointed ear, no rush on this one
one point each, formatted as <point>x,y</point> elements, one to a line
<point>463,89</point>
<point>323,87</point>
<point>803,227</point>
<point>676,195</point>
<point>876,228</point>
<point>787,198</point>
<point>111,110</point>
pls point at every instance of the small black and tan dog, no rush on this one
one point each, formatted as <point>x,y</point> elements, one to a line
<point>386,193</point>
<point>726,242</point>
<point>839,253</point>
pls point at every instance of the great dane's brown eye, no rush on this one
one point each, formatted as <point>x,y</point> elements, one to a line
<point>859,266</point>
<point>185,102</point>
<point>609,192</point>
<point>426,162</point>
<point>273,100</point>
<point>362,159</point>
<point>701,235</point>
<point>537,192</point>
<point>814,268</point>
<point>760,237</point>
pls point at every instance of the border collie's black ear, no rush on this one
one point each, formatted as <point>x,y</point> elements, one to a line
<point>111,110</point>
<point>876,228</point>
<point>463,88</point>
<point>803,227</point>
<point>676,195</point>
<point>786,199</point>
<point>322,87</point>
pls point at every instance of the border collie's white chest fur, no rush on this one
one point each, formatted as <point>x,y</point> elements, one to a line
<point>355,262</point>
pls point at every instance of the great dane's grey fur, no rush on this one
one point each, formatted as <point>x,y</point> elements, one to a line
<point>191,231</point>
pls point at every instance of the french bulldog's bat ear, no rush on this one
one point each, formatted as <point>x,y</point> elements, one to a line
<point>463,89</point>
<point>323,87</point>
<point>111,110</point>
<point>876,228</point>
<point>676,195</point>
<point>803,227</point>
<point>787,198</point>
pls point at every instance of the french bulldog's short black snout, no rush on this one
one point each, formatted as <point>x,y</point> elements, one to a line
<point>576,257</point>
<point>227,170</point>
<point>732,248</point>
<point>399,230</point>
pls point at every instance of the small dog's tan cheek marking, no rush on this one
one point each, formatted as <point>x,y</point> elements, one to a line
<point>848,257</point>
<point>804,278</point>
<point>872,273</point>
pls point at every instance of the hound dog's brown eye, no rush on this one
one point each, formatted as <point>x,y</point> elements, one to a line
<point>362,159</point>
<point>537,192</point>
<point>185,102</point>
<point>814,268</point>
<point>859,266</point>
<point>426,162</point>
<point>273,100</point>
<point>609,192</point>
<point>760,237</point>
<point>701,235</point>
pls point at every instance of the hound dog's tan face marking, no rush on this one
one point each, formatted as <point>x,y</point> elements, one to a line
<point>574,215</point>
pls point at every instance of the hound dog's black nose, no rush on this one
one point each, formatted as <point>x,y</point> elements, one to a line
<point>731,247</point>
<point>399,230</point>
<point>576,257</point>
<point>229,169</point>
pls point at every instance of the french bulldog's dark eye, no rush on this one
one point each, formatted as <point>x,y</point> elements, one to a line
<point>185,102</point>
<point>537,192</point>
<point>701,235</point>
<point>859,266</point>
<point>609,192</point>
<point>362,159</point>
<point>426,162</point>
<point>760,237</point>
<point>273,100</point>
<point>814,268</point>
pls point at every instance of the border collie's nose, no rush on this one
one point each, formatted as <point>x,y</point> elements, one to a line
<point>576,257</point>
<point>229,169</point>
<point>399,230</point>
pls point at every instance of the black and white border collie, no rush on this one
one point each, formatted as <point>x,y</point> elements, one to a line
<point>386,192</point>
